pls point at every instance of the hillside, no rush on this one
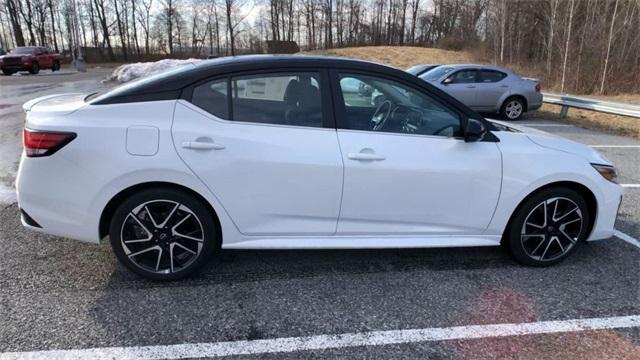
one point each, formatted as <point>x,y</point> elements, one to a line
<point>400,56</point>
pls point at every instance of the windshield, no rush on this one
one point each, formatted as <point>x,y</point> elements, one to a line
<point>140,81</point>
<point>23,50</point>
<point>436,73</point>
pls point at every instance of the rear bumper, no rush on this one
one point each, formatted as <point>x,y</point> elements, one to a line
<point>55,203</point>
<point>534,102</point>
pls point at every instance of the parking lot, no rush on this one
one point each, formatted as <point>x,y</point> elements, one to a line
<point>59,294</point>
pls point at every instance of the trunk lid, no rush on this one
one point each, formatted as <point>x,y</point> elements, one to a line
<point>58,104</point>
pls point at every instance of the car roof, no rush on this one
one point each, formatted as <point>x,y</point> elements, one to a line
<point>478,66</point>
<point>174,80</point>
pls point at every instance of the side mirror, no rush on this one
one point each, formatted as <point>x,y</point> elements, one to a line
<point>475,131</point>
<point>447,81</point>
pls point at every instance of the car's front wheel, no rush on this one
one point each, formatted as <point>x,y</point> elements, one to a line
<point>512,109</point>
<point>55,66</point>
<point>7,72</point>
<point>548,226</point>
<point>163,233</point>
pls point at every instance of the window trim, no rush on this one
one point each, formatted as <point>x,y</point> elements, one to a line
<point>326,105</point>
<point>340,108</point>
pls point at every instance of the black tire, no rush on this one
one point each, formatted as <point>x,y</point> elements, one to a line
<point>513,108</point>
<point>8,72</point>
<point>55,66</point>
<point>35,68</point>
<point>531,245</point>
<point>190,214</point>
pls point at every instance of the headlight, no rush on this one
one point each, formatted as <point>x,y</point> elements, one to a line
<point>607,171</point>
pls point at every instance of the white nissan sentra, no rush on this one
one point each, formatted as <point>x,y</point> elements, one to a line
<point>292,152</point>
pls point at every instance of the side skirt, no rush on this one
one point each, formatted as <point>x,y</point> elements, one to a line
<point>353,242</point>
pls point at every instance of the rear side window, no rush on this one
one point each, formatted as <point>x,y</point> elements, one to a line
<point>212,97</point>
<point>491,76</point>
<point>279,98</point>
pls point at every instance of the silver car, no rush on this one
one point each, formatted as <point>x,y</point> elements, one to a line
<point>486,88</point>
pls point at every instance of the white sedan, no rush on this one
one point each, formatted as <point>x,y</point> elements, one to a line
<point>284,152</point>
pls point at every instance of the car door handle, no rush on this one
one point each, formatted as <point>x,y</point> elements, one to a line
<point>365,156</point>
<point>201,145</point>
<point>504,86</point>
<point>471,86</point>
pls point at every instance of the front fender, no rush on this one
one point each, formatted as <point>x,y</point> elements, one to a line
<point>523,161</point>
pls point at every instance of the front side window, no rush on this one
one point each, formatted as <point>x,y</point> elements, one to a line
<point>491,76</point>
<point>379,104</point>
<point>280,98</point>
<point>463,77</point>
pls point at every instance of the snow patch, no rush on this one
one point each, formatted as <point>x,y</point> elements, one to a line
<point>128,72</point>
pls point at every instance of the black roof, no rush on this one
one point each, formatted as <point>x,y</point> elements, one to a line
<point>170,84</point>
<point>167,85</point>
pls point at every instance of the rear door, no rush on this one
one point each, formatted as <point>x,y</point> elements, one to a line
<point>462,86</point>
<point>491,87</point>
<point>266,146</point>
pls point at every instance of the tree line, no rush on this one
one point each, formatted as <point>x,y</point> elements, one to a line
<point>573,45</point>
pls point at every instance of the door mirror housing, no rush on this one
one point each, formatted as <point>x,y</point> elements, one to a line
<point>474,131</point>
<point>447,81</point>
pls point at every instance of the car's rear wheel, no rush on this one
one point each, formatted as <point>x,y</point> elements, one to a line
<point>548,226</point>
<point>163,234</point>
<point>34,69</point>
<point>55,66</point>
<point>512,108</point>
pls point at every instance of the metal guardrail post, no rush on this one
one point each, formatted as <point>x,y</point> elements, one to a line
<point>563,111</point>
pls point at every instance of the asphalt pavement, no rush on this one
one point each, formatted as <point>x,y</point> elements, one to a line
<point>61,294</point>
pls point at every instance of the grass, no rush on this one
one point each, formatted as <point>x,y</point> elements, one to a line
<point>406,56</point>
<point>399,56</point>
<point>614,124</point>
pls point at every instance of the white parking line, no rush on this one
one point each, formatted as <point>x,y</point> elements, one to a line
<point>630,185</point>
<point>615,146</point>
<point>626,238</point>
<point>321,342</point>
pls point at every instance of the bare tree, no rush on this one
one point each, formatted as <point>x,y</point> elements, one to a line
<point>606,58</point>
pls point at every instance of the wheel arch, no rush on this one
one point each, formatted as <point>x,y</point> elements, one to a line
<point>581,189</point>
<point>116,200</point>
<point>521,97</point>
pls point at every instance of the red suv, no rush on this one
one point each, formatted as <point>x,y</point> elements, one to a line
<point>29,58</point>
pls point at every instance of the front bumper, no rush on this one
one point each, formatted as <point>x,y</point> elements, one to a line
<point>608,207</point>
<point>15,67</point>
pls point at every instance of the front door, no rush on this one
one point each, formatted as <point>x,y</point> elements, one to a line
<point>270,158</point>
<point>407,171</point>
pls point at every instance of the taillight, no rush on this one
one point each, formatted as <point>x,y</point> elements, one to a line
<point>538,87</point>
<point>44,143</point>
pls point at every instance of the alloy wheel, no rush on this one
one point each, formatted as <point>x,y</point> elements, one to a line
<point>162,236</point>
<point>513,109</point>
<point>551,229</point>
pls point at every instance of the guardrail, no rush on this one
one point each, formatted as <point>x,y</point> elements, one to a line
<point>610,107</point>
